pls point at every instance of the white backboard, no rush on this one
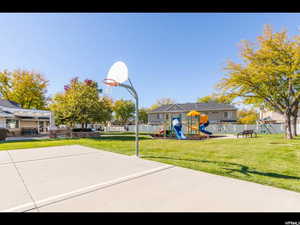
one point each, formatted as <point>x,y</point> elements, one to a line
<point>118,72</point>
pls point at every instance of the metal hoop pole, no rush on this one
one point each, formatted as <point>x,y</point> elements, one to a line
<point>134,94</point>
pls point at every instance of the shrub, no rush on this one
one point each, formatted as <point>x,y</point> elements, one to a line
<point>3,134</point>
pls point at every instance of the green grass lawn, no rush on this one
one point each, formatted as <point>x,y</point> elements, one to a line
<point>267,159</point>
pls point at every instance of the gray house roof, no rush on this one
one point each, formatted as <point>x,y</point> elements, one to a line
<point>193,106</point>
<point>6,114</point>
<point>9,104</point>
<point>10,109</point>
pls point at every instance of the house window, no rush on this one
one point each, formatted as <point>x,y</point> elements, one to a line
<point>10,124</point>
<point>160,116</point>
<point>226,115</point>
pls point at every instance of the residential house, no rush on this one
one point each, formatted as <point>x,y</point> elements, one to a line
<point>274,117</point>
<point>17,119</point>
<point>216,112</point>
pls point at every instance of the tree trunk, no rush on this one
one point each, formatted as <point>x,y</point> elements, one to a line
<point>287,126</point>
<point>294,117</point>
<point>294,123</point>
<point>82,125</point>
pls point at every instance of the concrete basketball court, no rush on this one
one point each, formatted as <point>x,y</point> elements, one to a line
<point>77,178</point>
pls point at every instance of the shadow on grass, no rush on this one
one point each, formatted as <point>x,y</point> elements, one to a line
<point>120,138</point>
<point>123,133</point>
<point>113,138</point>
<point>38,140</point>
<point>242,169</point>
<point>15,141</point>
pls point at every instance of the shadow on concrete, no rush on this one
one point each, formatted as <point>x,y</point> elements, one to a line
<point>242,168</point>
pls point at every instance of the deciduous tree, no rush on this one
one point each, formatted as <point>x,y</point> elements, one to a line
<point>80,103</point>
<point>124,110</point>
<point>143,115</point>
<point>269,73</point>
<point>162,101</point>
<point>215,98</point>
<point>247,116</point>
<point>25,88</point>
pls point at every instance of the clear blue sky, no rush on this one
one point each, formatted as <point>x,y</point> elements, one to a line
<point>176,55</point>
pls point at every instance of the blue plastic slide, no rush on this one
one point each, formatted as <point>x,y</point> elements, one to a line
<point>202,128</point>
<point>179,133</point>
<point>177,127</point>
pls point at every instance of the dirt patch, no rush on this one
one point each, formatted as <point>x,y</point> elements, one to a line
<point>279,143</point>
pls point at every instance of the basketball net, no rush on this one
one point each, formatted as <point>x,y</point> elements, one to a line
<point>109,84</point>
<point>107,90</point>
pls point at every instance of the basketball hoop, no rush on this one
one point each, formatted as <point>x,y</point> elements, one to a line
<point>116,76</point>
<point>110,82</point>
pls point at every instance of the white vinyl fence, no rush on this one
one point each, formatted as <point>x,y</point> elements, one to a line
<point>146,128</point>
<point>214,128</point>
<point>114,129</point>
<point>236,128</point>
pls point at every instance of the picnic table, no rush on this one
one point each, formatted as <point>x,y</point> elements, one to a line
<point>247,133</point>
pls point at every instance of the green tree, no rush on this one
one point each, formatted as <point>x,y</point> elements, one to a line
<point>124,110</point>
<point>25,88</point>
<point>269,74</point>
<point>162,101</point>
<point>215,98</point>
<point>106,105</point>
<point>80,103</point>
<point>143,115</point>
<point>247,116</point>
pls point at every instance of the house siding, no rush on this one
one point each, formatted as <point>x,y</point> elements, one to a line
<point>28,124</point>
<point>220,115</point>
<point>2,123</point>
<point>28,118</point>
<point>275,116</point>
<point>214,116</point>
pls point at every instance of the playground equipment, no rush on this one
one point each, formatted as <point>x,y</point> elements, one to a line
<point>203,124</point>
<point>177,126</point>
<point>117,75</point>
<point>193,122</point>
<point>197,123</point>
<point>265,127</point>
<point>172,127</point>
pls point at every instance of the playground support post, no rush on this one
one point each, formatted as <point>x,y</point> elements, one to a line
<point>165,126</point>
<point>134,94</point>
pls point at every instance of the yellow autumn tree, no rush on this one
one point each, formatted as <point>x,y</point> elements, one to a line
<point>162,101</point>
<point>80,103</point>
<point>215,98</point>
<point>269,74</point>
<point>247,116</point>
<point>25,88</point>
<point>124,110</point>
